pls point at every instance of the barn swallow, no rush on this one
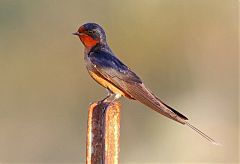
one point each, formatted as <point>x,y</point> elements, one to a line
<point>119,80</point>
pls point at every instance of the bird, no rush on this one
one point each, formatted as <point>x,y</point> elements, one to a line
<point>119,80</point>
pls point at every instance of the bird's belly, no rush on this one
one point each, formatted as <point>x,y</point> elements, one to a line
<point>106,84</point>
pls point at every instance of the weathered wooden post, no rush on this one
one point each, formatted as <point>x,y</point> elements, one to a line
<point>103,133</point>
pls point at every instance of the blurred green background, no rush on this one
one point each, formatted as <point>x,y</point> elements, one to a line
<point>185,51</point>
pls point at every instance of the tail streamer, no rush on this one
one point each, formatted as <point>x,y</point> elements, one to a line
<point>203,134</point>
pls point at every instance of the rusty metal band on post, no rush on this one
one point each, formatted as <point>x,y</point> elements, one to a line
<point>103,133</point>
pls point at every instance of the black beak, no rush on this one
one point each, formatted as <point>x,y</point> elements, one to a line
<point>76,33</point>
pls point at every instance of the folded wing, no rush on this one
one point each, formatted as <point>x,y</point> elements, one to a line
<point>123,78</point>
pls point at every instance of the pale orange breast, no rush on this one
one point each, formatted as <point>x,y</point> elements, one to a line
<point>106,84</point>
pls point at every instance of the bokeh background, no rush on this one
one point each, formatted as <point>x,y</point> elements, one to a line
<point>185,51</point>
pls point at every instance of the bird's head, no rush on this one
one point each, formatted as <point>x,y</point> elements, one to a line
<point>91,34</point>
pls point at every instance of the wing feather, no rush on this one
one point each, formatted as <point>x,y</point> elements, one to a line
<point>112,69</point>
<point>122,77</point>
<point>142,94</point>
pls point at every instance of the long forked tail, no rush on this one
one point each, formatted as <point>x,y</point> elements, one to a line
<point>203,134</point>
<point>145,96</point>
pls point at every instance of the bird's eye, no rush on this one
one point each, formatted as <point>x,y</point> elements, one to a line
<point>91,32</point>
